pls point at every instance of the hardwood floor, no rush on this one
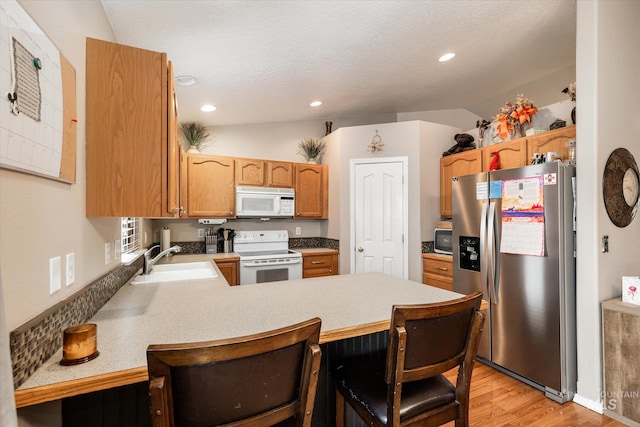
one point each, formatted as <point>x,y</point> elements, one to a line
<point>499,400</point>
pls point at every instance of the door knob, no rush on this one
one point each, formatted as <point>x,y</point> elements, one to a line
<point>360,249</point>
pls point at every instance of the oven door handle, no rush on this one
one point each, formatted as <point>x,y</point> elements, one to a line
<point>271,263</point>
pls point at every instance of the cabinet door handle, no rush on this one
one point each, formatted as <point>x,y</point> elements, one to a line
<point>317,262</point>
<point>442,268</point>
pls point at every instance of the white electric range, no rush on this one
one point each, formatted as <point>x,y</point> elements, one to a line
<point>265,257</point>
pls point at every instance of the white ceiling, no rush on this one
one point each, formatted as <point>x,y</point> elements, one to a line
<point>266,60</point>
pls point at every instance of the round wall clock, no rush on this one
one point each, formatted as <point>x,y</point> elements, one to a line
<point>621,187</point>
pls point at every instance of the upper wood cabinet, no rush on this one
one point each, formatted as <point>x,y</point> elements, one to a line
<point>129,114</point>
<point>279,174</point>
<point>554,140</point>
<point>312,191</point>
<point>250,172</point>
<point>208,186</point>
<point>264,173</point>
<point>464,163</point>
<point>512,154</point>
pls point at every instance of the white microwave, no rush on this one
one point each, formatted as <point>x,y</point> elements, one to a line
<point>443,241</point>
<point>264,202</point>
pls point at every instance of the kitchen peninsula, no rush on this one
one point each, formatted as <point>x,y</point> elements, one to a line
<point>208,309</point>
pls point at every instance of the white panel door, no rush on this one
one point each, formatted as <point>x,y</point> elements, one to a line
<point>379,218</point>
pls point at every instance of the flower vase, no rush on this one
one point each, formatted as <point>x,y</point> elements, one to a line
<point>312,161</point>
<point>520,130</point>
<point>193,149</point>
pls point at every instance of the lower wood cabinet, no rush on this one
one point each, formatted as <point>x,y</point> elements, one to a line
<point>229,269</point>
<point>438,270</point>
<point>317,264</point>
<point>621,364</point>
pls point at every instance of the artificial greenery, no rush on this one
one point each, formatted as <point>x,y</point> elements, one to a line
<point>195,133</point>
<point>312,148</point>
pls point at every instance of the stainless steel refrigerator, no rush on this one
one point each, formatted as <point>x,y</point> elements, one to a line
<point>522,257</point>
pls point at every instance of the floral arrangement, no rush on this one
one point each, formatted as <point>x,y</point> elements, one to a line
<point>311,148</point>
<point>376,144</point>
<point>571,91</point>
<point>514,115</point>
<point>195,133</point>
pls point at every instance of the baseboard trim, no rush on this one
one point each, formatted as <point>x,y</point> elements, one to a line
<point>595,406</point>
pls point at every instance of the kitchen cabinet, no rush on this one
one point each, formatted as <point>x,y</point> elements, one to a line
<point>464,163</point>
<point>513,154</point>
<point>208,186</point>
<point>438,270</point>
<point>229,269</point>
<point>621,365</point>
<point>318,264</point>
<point>264,173</point>
<point>131,159</point>
<point>554,141</point>
<point>250,172</point>
<point>312,190</point>
<point>280,174</point>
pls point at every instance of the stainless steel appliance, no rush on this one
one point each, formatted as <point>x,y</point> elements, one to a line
<point>253,202</point>
<point>530,328</point>
<point>265,257</point>
<point>443,241</point>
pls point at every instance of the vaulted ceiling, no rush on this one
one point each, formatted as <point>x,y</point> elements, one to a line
<point>266,60</point>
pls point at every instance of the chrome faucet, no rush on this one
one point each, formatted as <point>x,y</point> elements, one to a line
<point>148,263</point>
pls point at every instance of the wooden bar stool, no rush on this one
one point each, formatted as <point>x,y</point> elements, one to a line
<point>404,386</point>
<point>257,380</point>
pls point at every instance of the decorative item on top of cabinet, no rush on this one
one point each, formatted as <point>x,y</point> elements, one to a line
<point>208,186</point>
<point>438,270</point>
<point>312,149</point>
<point>317,264</point>
<point>312,191</point>
<point>129,156</point>
<point>464,163</point>
<point>229,269</point>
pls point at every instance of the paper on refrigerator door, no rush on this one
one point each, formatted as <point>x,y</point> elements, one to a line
<point>523,216</point>
<point>631,289</point>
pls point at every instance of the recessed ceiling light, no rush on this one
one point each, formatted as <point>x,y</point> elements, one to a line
<point>185,80</point>
<point>315,104</point>
<point>446,57</point>
<point>207,108</point>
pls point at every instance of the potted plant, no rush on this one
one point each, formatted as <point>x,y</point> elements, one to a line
<point>195,134</point>
<point>312,149</point>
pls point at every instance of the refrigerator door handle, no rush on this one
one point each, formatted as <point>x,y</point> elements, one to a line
<point>492,253</point>
<point>483,249</point>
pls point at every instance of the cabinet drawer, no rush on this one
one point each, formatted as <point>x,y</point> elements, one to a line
<point>438,267</point>
<point>319,265</point>
<point>437,281</point>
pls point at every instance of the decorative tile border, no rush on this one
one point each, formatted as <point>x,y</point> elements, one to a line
<point>36,341</point>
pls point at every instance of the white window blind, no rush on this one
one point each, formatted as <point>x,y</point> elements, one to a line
<point>130,234</point>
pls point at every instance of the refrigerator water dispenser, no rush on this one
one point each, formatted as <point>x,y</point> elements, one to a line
<point>469,248</point>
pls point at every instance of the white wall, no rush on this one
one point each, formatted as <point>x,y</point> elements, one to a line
<point>607,94</point>
<point>423,143</point>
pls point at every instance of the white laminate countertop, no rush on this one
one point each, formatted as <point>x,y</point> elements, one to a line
<point>209,309</point>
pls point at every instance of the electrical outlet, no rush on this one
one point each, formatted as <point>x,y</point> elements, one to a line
<point>200,233</point>
<point>298,231</point>
<point>55,273</point>
<point>71,269</point>
<point>107,253</point>
<point>145,237</point>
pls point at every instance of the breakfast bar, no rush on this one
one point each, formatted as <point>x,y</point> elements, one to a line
<point>350,305</point>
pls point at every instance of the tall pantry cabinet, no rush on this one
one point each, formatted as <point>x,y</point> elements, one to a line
<point>132,146</point>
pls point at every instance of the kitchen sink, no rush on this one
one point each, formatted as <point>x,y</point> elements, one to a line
<point>178,271</point>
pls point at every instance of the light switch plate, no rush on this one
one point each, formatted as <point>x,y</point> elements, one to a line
<point>117,250</point>
<point>107,253</point>
<point>71,269</point>
<point>55,273</point>
<point>200,233</point>
<point>298,231</point>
